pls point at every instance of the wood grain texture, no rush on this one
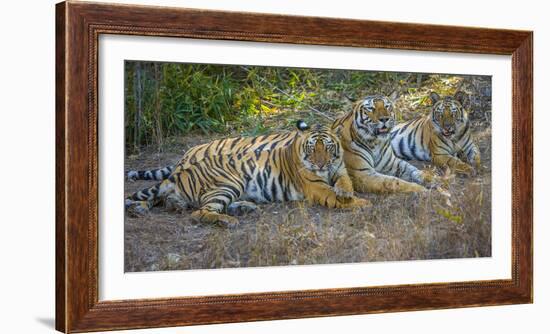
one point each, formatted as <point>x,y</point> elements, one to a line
<point>60,169</point>
<point>78,26</point>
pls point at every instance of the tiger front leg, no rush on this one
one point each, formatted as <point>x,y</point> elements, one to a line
<point>476,161</point>
<point>375,182</point>
<point>405,170</point>
<point>468,151</point>
<point>343,187</point>
<point>473,157</point>
<point>323,194</point>
<point>455,164</point>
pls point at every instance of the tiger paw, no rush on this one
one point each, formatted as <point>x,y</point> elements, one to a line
<point>466,170</point>
<point>358,202</point>
<point>343,195</point>
<point>227,221</point>
<point>430,179</point>
<point>398,185</point>
<point>416,188</point>
<point>433,184</point>
<point>136,208</point>
<point>240,208</point>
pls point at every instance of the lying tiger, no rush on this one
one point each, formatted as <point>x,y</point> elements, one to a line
<point>442,137</point>
<point>227,175</point>
<point>364,133</point>
<point>370,160</point>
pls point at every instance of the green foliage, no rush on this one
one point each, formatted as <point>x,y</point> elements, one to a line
<point>457,218</point>
<point>175,99</point>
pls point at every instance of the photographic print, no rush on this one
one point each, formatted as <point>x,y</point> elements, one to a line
<point>315,166</point>
<point>231,166</point>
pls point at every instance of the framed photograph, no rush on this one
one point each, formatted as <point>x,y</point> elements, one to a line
<point>212,169</point>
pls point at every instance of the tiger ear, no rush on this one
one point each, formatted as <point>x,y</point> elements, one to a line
<point>302,125</point>
<point>461,97</point>
<point>394,95</point>
<point>434,97</point>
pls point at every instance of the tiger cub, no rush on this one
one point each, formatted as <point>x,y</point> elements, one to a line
<point>368,155</point>
<point>442,137</point>
<point>309,165</point>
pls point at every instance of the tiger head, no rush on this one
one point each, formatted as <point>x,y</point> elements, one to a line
<point>374,117</point>
<point>319,148</point>
<point>447,114</point>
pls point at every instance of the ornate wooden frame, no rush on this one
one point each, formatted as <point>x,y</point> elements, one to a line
<point>78,25</point>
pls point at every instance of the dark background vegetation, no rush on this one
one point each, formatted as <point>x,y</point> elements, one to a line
<point>171,107</point>
<point>164,100</point>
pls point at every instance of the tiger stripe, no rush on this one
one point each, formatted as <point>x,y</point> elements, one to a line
<point>301,165</point>
<point>441,137</point>
<point>368,155</point>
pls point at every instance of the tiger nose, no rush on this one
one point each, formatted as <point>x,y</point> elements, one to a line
<point>384,119</point>
<point>320,162</point>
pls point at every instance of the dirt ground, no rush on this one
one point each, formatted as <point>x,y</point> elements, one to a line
<point>396,227</point>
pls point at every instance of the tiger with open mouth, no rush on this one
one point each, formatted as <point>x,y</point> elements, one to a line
<point>370,160</point>
<point>443,136</point>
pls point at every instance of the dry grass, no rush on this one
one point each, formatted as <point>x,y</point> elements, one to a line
<point>396,227</point>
